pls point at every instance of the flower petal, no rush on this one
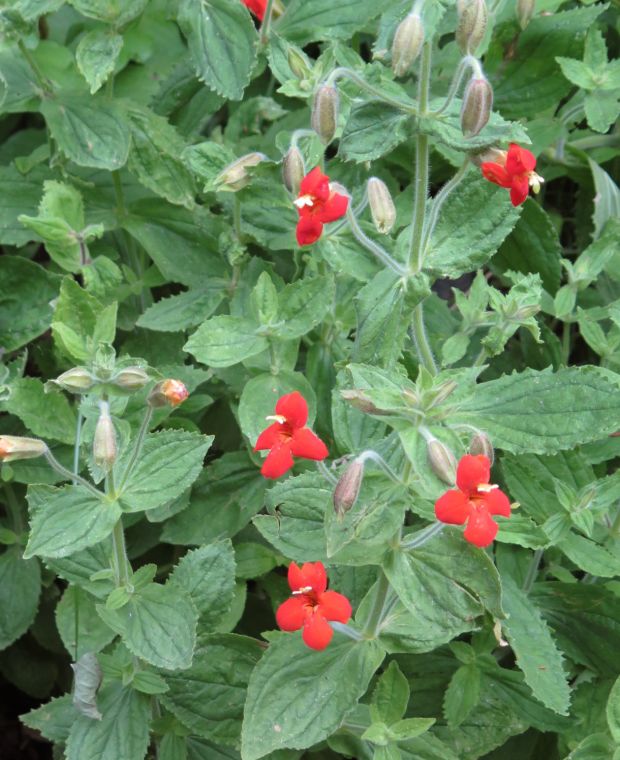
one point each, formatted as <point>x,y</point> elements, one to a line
<point>472,471</point>
<point>293,406</point>
<point>519,160</point>
<point>257,7</point>
<point>496,173</point>
<point>317,632</point>
<point>497,503</point>
<point>519,190</point>
<point>315,183</point>
<point>268,438</point>
<point>481,529</point>
<point>308,230</point>
<point>311,574</point>
<point>307,444</point>
<point>335,606</point>
<point>278,461</point>
<point>334,208</point>
<point>453,508</point>
<point>291,614</point>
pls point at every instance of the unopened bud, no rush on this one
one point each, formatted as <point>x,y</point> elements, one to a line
<point>76,380</point>
<point>131,379</point>
<point>472,24</point>
<point>442,461</point>
<point>298,63</point>
<point>477,104</point>
<point>525,11</point>
<point>324,117</point>
<point>443,391</point>
<point>526,312</point>
<point>348,487</point>
<point>14,447</point>
<point>407,44</point>
<point>104,442</point>
<point>167,393</point>
<point>491,155</point>
<point>381,205</point>
<point>235,176</point>
<point>293,170</point>
<point>481,444</point>
<point>360,401</point>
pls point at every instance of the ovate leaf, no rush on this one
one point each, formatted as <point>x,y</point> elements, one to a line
<point>96,56</point>
<point>224,341</point>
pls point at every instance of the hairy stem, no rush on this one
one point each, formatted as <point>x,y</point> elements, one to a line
<point>264,29</point>
<point>344,73</point>
<point>77,479</point>
<point>376,613</point>
<point>420,340</point>
<point>370,245</point>
<point>422,537</point>
<point>144,428</point>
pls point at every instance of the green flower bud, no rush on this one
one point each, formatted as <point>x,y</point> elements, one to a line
<point>293,170</point>
<point>472,24</point>
<point>324,117</point>
<point>76,380</point>
<point>481,444</point>
<point>360,401</point>
<point>14,447</point>
<point>442,461</point>
<point>104,442</point>
<point>407,44</point>
<point>477,104</point>
<point>348,487</point>
<point>235,176</point>
<point>381,205</point>
<point>525,11</point>
<point>130,379</point>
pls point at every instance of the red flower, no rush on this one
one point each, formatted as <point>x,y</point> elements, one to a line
<point>288,436</point>
<point>317,204</point>
<point>515,170</point>
<point>311,605</point>
<point>258,7</point>
<point>474,502</point>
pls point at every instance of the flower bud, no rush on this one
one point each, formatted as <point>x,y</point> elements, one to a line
<point>235,176</point>
<point>298,63</point>
<point>477,104</point>
<point>481,444</point>
<point>14,447</point>
<point>324,117</point>
<point>491,155</point>
<point>167,393</point>
<point>360,400</point>
<point>407,44</point>
<point>381,205</point>
<point>525,11</point>
<point>76,380</point>
<point>348,487</point>
<point>293,170</point>
<point>472,24</point>
<point>442,461</point>
<point>104,442</point>
<point>443,391</point>
<point>130,379</point>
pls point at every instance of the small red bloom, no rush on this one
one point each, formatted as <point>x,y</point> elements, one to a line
<point>311,606</point>
<point>474,502</point>
<point>289,436</point>
<point>515,170</point>
<point>258,7</point>
<point>317,204</point>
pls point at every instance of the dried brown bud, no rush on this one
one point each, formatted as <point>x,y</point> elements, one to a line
<point>477,104</point>
<point>481,444</point>
<point>104,442</point>
<point>348,487</point>
<point>293,170</point>
<point>14,447</point>
<point>360,401</point>
<point>167,393</point>
<point>525,11</point>
<point>472,24</point>
<point>131,379</point>
<point>324,117</point>
<point>235,176</point>
<point>76,380</point>
<point>381,205</point>
<point>407,44</point>
<point>442,461</point>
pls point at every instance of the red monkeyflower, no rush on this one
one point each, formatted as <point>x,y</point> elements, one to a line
<point>317,204</point>
<point>515,170</point>
<point>258,7</point>
<point>474,502</point>
<point>289,436</point>
<point>311,606</point>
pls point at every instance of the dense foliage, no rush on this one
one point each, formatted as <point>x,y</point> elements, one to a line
<point>392,231</point>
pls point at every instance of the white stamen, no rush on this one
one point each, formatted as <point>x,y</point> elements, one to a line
<point>535,182</point>
<point>302,590</point>
<point>304,200</point>
<point>486,487</point>
<point>277,418</point>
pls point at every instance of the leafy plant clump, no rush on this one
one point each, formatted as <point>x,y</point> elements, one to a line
<point>310,379</point>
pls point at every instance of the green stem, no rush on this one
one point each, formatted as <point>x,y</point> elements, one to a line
<point>532,571</point>
<point>76,446</point>
<point>344,73</point>
<point>120,562</point>
<point>483,355</point>
<point>422,537</point>
<point>378,459</point>
<point>42,80</point>
<point>144,427</point>
<point>566,343</point>
<point>376,613</point>
<point>370,245</point>
<point>322,468</point>
<point>264,29</point>
<point>438,202</point>
<point>237,217</point>
<point>77,479</point>
<point>425,355</point>
<point>469,61</point>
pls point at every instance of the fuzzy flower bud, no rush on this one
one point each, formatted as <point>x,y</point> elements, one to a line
<point>14,447</point>
<point>407,44</point>
<point>442,460</point>
<point>76,380</point>
<point>293,170</point>
<point>131,379</point>
<point>348,487</point>
<point>167,393</point>
<point>381,205</point>
<point>360,400</point>
<point>104,442</point>
<point>481,444</point>
<point>324,117</point>
<point>477,104</point>
<point>472,24</point>
<point>235,176</point>
<point>525,11</point>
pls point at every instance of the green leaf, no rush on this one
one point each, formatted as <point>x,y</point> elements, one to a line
<point>298,696</point>
<point>224,341</point>
<point>602,109</point>
<point>577,72</point>
<point>222,43</point>
<point>181,311</point>
<point>322,20</point>
<point>20,586</point>
<point>67,519</point>
<point>391,696</point>
<point>158,624</point>
<point>52,720</point>
<point>123,730</point>
<point>170,461</point>
<point>89,568</point>
<point>536,652</point>
<point>462,694</point>
<point>45,415</point>
<point>96,56</point>
<point>410,727</point>
<point>254,560</point>
<point>303,305</point>
<point>371,131</point>
<point>209,697</point>
<point>613,711</point>
<point>544,412</point>
<point>590,556</point>
<point>594,747</point>
<point>606,200</point>
<point>90,132</point>
<point>208,575</point>
<point>116,12</point>
<point>76,615</point>
<point>26,293</point>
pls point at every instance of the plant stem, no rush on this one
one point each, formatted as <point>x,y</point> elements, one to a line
<point>329,477</point>
<point>347,630</point>
<point>438,202</point>
<point>378,459</point>
<point>237,217</point>
<point>77,479</point>
<point>376,613</point>
<point>76,445</point>
<point>120,562</point>
<point>469,61</point>
<point>532,571</point>
<point>383,256</point>
<point>423,536</point>
<point>264,29</point>
<point>119,194</point>
<point>566,343</point>
<point>344,73</point>
<point>420,340</point>
<point>144,427</point>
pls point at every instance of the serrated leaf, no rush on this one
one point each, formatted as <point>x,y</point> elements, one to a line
<point>224,341</point>
<point>322,20</point>
<point>117,12</point>
<point>96,56</point>
<point>602,109</point>
<point>590,556</point>
<point>303,304</point>
<point>371,131</point>
<point>45,415</point>
<point>606,200</point>
<point>76,615</point>
<point>462,694</point>
<point>391,696</point>
<point>20,587</point>
<point>52,720</point>
<point>182,311</point>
